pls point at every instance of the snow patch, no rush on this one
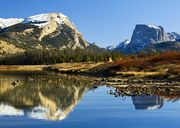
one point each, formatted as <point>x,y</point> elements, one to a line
<point>42,20</point>
<point>153,26</point>
<point>4,23</point>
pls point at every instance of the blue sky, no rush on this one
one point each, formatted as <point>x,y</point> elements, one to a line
<point>104,22</point>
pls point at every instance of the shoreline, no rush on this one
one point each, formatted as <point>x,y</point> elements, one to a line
<point>89,70</point>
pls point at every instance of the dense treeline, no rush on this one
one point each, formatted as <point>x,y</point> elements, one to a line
<point>33,57</point>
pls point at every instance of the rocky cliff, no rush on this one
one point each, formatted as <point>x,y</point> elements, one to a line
<point>144,35</point>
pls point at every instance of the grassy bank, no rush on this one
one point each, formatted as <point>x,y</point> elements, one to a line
<point>8,68</point>
<point>61,67</point>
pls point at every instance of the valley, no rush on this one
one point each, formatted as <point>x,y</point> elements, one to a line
<point>51,43</point>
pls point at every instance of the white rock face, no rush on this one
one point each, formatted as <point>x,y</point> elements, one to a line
<point>9,22</point>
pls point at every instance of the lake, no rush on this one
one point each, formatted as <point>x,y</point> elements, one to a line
<point>51,101</point>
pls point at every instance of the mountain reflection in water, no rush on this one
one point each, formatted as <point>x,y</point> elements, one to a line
<point>39,99</point>
<point>148,102</point>
<point>51,97</point>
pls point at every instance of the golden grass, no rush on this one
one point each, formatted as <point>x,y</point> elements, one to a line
<point>62,66</point>
<point>78,66</point>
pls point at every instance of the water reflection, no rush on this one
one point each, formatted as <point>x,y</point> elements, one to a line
<point>148,97</point>
<point>47,99</point>
<point>51,97</point>
<point>148,102</point>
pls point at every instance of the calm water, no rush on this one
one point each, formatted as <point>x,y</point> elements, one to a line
<point>40,101</point>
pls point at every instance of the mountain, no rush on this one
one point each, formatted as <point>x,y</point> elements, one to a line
<point>121,45</point>
<point>147,36</point>
<point>43,31</point>
<point>144,35</point>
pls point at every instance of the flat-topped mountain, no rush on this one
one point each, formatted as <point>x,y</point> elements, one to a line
<point>145,36</point>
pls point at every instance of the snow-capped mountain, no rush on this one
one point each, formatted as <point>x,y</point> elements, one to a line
<point>4,23</point>
<point>42,20</point>
<point>54,21</point>
<point>121,45</point>
<point>50,30</point>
